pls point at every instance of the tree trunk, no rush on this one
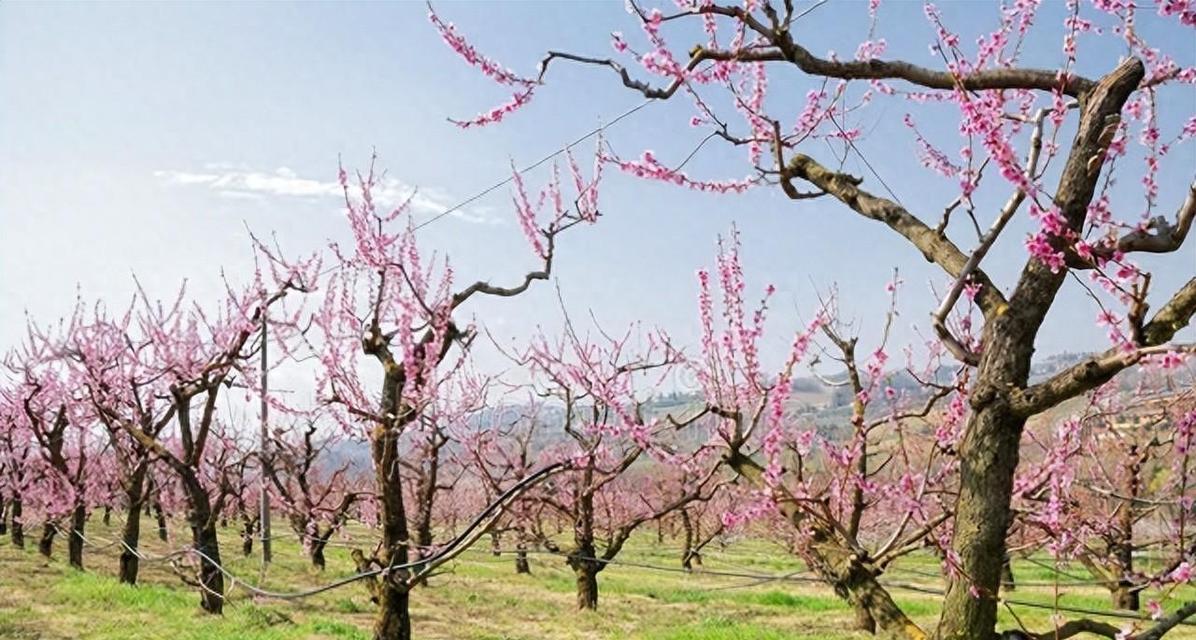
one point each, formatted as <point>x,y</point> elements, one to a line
<point>160,516</point>
<point>247,538</point>
<point>394,617</point>
<point>988,458</point>
<point>3,516</point>
<point>107,515</point>
<point>317,554</point>
<point>45,546</point>
<point>206,543</point>
<point>687,551</point>
<point>211,597</point>
<point>989,454</point>
<point>587,587</point>
<point>131,536</point>
<point>17,531</point>
<point>74,543</point>
<point>1125,596</point>
<point>521,563</point>
<point>853,578</point>
<point>495,544</point>
<point>863,620</point>
<point>1007,581</point>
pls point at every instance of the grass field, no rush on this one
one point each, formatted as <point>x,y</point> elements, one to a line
<point>479,598</point>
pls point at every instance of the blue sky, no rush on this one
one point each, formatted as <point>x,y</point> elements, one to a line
<point>144,138</point>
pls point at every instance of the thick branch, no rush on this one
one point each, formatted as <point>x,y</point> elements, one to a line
<point>1040,79</point>
<point>1098,370</point>
<point>934,246</point>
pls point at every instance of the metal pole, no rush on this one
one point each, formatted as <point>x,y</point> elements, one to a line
<point>264,452</point>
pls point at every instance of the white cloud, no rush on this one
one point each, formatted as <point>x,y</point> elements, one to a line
<point>231,181</point>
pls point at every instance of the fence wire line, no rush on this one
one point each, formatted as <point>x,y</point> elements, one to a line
<point>508,179</point>
<point>744,573</point>
<point>763,578</point>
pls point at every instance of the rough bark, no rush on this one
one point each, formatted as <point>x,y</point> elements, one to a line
<point>521,563</point>
<point>587,587</point>
<point>17,531</point>
<point>394,617</point>
<point>863,620</point>
<point>583,557</point>
<point>210,576</point>
<point>317,554</point>
<point>45,545</point>
<point>75,541</point>
<point>205,541</point>
<point>989,453</point>
<point>1125,596</point>
<point>131,536</point>
<point>852,576</point>
<point>394,620</point>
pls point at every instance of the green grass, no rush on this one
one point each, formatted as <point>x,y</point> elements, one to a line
<point>719,628</point>
<point>479,597</point>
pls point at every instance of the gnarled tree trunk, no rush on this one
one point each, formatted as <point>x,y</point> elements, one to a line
<point>75,541</point>
<point>130,535</point>
<point>317,553</point>
<point>853,578</point>
<point>17,531</point>
<point>989,453</point>
<point>394,616</point>
<point>863,620</point>
<point>205,541</point>
<point>587,585</point>
<point>521,563</point>
<point>45,545</point>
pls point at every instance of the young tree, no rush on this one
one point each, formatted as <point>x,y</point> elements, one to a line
<point>1007,110</point>
<point>389,302</point>
<point>603,386</point>
<point>856,500</point>
<point>1107,484</point>
<point>317,499</point>
<point>52,411</point>
<point>197,354</point>
<point>507,449</point>
<point>123,386</point>
<point>16,467</point>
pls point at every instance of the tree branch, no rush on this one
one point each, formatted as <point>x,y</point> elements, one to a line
<point>935,247</point>
<point>1098,370</point>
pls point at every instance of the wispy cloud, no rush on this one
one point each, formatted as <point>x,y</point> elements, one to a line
<point>231,181</point>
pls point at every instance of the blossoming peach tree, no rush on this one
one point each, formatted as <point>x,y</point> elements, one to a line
<point>389,304</point>
<point>1012,119</point>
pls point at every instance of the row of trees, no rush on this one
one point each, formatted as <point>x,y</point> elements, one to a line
<point>93,422</point>
<point>1012,123</point>
<point>125,408</point>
